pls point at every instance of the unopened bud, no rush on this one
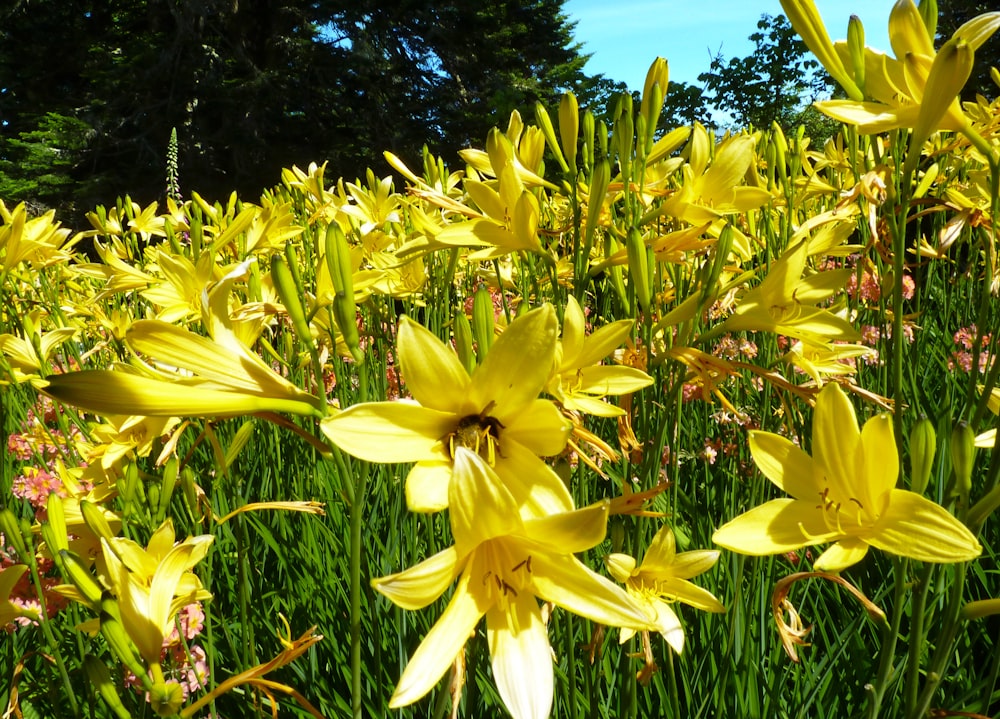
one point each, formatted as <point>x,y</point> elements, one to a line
<point>923,444</point>
<point>963,457</point>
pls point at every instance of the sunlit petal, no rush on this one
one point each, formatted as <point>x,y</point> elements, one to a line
<point>522,660</point>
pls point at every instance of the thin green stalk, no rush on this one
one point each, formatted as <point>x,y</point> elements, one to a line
<point>944,646</point>
<point>890,635</point>
<point>357,511</point>
<point>915,642</point>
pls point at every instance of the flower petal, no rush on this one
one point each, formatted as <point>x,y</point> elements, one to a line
<point>440,646</point>
<point>841,555</point>
<point>682,590</point>
<point>668,625</point>
<point>785,464</point>
<point>620,566</point>
<point>565,581</point>
<point>540,427</point>
<point>881,463</point>
<point>427,486</point>
<point>661,551</point>
<point>522,658</point>
<point>535,486</point>
<point>432,371</point>
<point>517,366</point>
<point>388,432</point>
<point>570,531</point>
<point>836,438</point>
<point>691,564</point>
<point>421,584</point>
<point>915,527</point>
<point>481,506</point>
<point>778,526</point>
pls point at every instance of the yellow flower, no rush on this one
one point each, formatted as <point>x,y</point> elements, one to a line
<point>152,584</point>
<point>662,579</point>
<point>503,563</point>
<point>845,493</point>
<point>9,576</point>
<point>495,412</point>
<point>785,302</point>
<point>219,376</point>
<point>917,88</point>
<point>579,382</point>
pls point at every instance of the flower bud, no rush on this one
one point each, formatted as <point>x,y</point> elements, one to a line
<point>923,443</point>
<point>544,123</point>
<point>288,292</point>
<point>569,127</point>
<point>482,321</point>
<point>638,267</point>
<point>345,312</point>
<point>100,677</point>
<point>963,457</point>
<point>856,49</point>
<point>463,342</point>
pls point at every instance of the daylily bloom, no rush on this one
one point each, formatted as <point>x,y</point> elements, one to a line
<point>153,584</point>
<point>662,579</point>
<point>220,375</point>
<point>785,302</point>
<point>579,381</point>
<point>845,493</point>
<point>494,412</point>
<point>9,576</point>
<point>503,563</point>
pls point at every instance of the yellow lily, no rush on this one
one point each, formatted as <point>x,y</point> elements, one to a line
<point>9,576</point>
<point>917,88</point>
<point>661,580</point>
<point>785,302</point>
<point>220,375</point>
<point>819,361</point>
<point>578,381</point>
<point>494,412</point>
<point>503,563</point>
<point>845,493</point>
<point>153,584</point>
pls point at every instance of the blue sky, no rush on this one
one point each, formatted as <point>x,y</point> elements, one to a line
<point>624,36</point>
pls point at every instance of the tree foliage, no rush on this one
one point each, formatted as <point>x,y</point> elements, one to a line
<point>777,82</point>
<point>91,90</point>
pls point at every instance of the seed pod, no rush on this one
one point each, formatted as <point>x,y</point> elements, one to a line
<point>923,443</point>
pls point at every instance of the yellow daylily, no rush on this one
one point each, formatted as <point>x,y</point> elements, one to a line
<point>503,563</point>
<point>9,576</point>
<point>153,584</point>
<point>917,88</point>
<point>579,382</point>
<point>819,361</point>
<point>495,412</point>
<point>845,493</point>
<point>662,579</point>
<point>785,302</point>
<point>219,376</point>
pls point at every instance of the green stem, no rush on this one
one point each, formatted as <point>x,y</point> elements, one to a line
<point>944,646</point>
<point>915,643</point>
<point>357,523</point>
<point>890,635</point>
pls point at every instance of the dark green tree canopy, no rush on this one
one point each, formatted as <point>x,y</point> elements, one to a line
<point>91,89</point>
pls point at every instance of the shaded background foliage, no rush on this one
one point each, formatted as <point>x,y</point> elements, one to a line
<point>90,90</point>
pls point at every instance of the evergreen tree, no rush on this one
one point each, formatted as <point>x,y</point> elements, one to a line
<point>90,89</point>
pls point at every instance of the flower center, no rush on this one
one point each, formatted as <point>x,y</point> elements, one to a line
<point>841,516</point>
<point>479,433</point>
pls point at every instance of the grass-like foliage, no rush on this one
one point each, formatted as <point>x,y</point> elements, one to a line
<point>603,423</point>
